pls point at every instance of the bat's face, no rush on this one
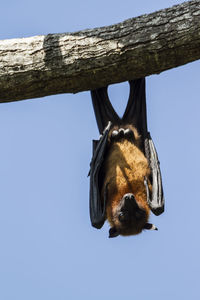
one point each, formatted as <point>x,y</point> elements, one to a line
<point>128,217</point>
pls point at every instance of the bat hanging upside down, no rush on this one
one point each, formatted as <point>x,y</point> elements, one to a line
<point>125,179</point>
<point>125,168</point>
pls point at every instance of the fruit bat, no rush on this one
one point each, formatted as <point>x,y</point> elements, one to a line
<point>125,177</point>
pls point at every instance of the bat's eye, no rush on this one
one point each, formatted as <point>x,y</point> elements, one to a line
<point>123,216</point>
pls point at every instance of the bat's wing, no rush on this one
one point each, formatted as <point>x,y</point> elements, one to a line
<point>135,114</point>
<point>97,208</point>
<point>105,116</point>
<point>156,201</point>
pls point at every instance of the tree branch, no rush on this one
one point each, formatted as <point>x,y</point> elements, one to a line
<point>73,62</point>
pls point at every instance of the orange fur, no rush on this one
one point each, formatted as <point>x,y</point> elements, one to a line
<point>126,167</point>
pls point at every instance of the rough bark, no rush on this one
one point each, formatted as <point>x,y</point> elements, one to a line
<point>73,62</point>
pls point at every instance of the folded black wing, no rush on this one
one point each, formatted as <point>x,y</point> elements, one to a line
<point>97,206</point>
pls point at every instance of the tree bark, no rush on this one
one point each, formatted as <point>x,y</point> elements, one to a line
<point>73,62</point>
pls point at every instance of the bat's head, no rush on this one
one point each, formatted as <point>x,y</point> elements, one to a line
<point>129,217</point>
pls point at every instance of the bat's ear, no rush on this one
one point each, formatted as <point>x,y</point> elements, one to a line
<point>150,226</point>
<point>113,232</point>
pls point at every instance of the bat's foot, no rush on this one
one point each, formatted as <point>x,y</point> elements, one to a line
<point>122,133</point>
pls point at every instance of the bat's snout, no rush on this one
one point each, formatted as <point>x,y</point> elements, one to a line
<point>127,206</point>
<point>129,202</point>
<point>129,210</point>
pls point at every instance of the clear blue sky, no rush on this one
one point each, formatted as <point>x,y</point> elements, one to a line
<point>48,249</point>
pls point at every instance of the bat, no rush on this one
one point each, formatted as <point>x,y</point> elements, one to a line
<point>125,177</point>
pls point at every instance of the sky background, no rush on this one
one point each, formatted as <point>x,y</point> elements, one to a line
<point>48,249</point>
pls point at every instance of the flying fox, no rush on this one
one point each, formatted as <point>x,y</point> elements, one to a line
<point>125,177</point>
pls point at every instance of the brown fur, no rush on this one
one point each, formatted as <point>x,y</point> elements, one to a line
<point>126,167</point>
